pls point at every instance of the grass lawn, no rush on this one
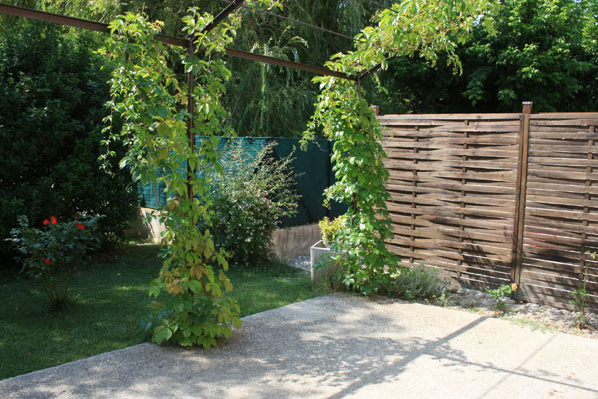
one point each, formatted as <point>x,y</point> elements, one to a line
<point>111,301</point>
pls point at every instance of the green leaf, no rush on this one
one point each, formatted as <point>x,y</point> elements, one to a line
<point>195,286</point>
<point>154,289</point>
<point>162,333</point>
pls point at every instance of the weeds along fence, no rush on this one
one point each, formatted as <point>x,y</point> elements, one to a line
<point>312,169</point>
<point>496,198</point>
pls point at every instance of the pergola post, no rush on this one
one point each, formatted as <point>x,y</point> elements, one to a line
<point>191,111</point>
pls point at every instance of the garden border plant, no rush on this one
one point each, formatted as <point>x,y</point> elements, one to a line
<point>580,295</point>
<point>250,197</point>
<point>500,294</point>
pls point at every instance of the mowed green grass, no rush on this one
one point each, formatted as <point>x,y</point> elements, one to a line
<point>111,300</point>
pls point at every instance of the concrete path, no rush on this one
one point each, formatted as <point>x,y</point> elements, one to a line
<point>340,346</point>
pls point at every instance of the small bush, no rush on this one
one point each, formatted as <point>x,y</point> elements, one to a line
<point>416,283</point>
<point>250,197</point>
<point>501,293</point>
<point>330,228</point>
<point>53,253</point>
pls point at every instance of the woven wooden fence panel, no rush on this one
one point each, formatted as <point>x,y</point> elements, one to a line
<point>453,189</point>
<point>561,208</point>
<point>457,193</point>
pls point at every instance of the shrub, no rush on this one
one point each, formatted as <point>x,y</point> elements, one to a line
<point>250,196</point>
<point>52,95</point>
<point>330,228</point>
<point>53,253</point>
<point>416,283</point>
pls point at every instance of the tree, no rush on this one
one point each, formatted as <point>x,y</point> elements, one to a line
<point>543,51</point>
<point>263,100</point>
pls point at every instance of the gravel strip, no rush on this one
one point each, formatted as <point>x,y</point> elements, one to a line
<point>540,317</point>
<point>301,262</point>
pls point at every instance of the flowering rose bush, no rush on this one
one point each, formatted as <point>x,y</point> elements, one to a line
<point>54,252</point>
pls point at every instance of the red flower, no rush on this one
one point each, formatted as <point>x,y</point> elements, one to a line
<point>46,222</point>
<point>80,226</point>
<point>48,261</point>
<point>52,220</point>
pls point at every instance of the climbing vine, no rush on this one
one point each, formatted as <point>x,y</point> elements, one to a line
<point>421,28</point>
<point>150,105</point>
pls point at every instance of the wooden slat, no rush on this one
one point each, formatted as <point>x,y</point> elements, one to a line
<point>496,187</point>
<point>445,153</point>
<point>508,176</point>
<point>398,198</point>
<point>550,173</point>
<point>562,200</point>
<point>556,188</point>
<point>560,214</point>
<point>410,164</point>
<point>448,212</point>
<point>502,240</point>
<point>565,115</point>
<point>432,156</point>
<point>496,225</point>
<point>568,226</point>
<point>510,142</point>
<point>388,119</point>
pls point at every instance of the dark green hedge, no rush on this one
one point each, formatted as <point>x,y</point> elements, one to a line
<point>52,95</point>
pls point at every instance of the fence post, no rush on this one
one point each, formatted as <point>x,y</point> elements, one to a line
<point>586,208</point>
<point>521,192</point>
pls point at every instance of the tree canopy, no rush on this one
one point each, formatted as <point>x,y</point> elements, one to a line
<point>543,51</point>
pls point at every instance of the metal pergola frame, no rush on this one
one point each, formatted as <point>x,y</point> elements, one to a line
<point>171,40</point>
<point>186,43</point>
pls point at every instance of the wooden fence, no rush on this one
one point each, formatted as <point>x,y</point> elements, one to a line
<point>497,198</point>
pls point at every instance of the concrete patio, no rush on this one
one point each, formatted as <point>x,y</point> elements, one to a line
<point>339,346</point>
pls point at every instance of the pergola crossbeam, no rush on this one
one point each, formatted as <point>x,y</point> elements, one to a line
<point>170,40</point>
<point>229,9</point>
<point>75,22</point>
<point>286,63</point>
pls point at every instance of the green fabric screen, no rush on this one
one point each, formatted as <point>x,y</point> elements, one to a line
<point>313,173</point>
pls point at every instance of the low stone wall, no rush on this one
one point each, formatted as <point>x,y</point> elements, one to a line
<point>139,229</point>
<point>287,243</point>
<point>291,242</point>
